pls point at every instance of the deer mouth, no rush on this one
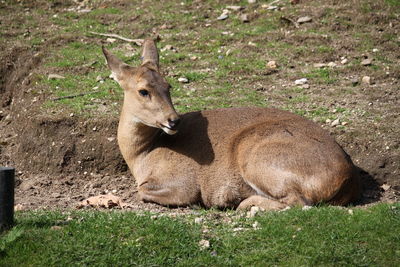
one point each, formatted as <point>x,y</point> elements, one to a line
<point>168,130</point>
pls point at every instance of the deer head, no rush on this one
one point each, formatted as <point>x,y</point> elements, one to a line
<point>147,99</point>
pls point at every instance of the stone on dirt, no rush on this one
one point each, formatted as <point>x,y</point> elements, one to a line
<point>335,123</point>
<point>224,15</point>
<point>304,19</point>
<point>366,80</point>
<point>198,220</point>
<point>272,64</point>
<point>183,80</point>
<point>244,18</point>
<point>204,244</point>
<point>235,8</point>
<point>301,81</point>
<point>253,211</point>
<point>366,62</point>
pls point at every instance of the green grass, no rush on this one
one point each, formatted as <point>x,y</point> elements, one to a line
<point>323,75</point>
<point>394,3</point>
<point>321,236</point>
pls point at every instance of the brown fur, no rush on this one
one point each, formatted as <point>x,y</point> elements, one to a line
<point>237,157</point>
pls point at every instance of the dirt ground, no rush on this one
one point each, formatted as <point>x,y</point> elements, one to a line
<point>61,159</point>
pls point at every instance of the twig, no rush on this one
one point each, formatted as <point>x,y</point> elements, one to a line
<point>287,20</point>
<point>138,42</point>
<point>73,96</point>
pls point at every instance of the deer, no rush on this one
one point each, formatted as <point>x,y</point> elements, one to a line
<point>232,158</point>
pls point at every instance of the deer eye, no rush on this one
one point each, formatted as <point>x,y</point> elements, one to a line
<point>144,92</point>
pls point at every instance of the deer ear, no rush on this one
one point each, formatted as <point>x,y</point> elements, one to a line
<point>150,54</point>
<point>116,66</point>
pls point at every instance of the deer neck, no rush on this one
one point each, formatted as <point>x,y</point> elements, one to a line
<point>135,139</point>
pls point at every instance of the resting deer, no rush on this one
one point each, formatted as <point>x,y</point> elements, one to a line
<point>225,158</point>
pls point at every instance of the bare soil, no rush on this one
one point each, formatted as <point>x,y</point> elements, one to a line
<point>61,160</point>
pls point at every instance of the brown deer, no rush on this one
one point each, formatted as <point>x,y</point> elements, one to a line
<point>225,158</point>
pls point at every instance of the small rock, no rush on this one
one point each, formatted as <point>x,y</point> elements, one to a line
<point>198,220</point>
<point>320,65</point>
<point>375,50</point>
<point>165,27</point>
<point>224,15</point>
<point>183,80</point>
<point>71,115</point>
<point>193,58</point>
<point>244,18</point>
<point>286,208</point>
<point>268,7</point>
<point>366,62</point>
<point>344,123</point>
<point>350,211</point>
<point>169,48</point>
<point>366,80</point>
<point>256,225</point>
<point>110,139</point>
<point>304,19</point>
<point>253,211</point>
<point>84,10</point>
<point>235,8</point>
<point>385,187</point>
<point>344,61</point>
<point>332,64</point>
<point>335,123</point>
<point>99,78</point>
<point>19,207</point>
<point>204,244</point>
<point>111,40</point>
<point>55,76</point>
<point>306,208</point>
<point>251,43</point>
<point>251,1</point>
<point>94,129</point>
<point>301,81</point>
<point>272,64</point>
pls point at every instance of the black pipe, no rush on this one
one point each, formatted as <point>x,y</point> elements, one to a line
<point>7,183</point>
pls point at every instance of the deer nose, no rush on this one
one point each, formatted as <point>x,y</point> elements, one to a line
<point>173,123</point>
